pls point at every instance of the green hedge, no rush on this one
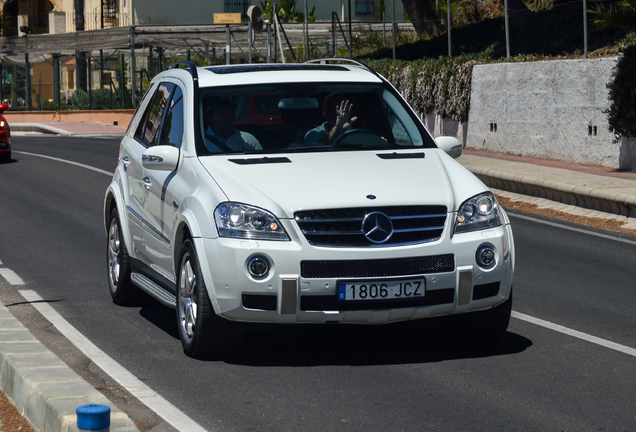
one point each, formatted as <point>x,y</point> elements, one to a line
<point>622,93</point>
<point>440,86</point>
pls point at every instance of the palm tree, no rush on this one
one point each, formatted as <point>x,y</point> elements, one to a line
<point>620,16</point>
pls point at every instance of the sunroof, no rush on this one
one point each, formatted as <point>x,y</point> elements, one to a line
<point>273,67</point>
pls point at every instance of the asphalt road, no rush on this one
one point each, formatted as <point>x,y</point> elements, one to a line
<point>403,377</point>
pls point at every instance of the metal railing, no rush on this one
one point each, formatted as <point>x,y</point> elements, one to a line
<point>93,20</point>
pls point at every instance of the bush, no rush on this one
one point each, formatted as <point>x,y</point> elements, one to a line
<point>440,86</point>
<point>622,93</point>
<point>101,99</point>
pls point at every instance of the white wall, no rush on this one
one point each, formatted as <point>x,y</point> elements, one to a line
<point>545,110</point>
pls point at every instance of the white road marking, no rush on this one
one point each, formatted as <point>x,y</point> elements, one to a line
<point>577,334</point>
<point>579,230</point>
<point>11,276</point>
<point>137,388</point>
<point>108,173</point>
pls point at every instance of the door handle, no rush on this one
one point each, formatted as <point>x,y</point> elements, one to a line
<point>126,161</point>
<point>147,183</point>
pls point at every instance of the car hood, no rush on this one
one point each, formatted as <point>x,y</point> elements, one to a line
<point>286,183</point>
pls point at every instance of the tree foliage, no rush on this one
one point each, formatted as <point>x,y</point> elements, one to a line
<point>622,92</point>
<point>620,16</point>
<point>286,11</point>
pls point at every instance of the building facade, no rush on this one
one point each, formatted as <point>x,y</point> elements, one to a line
<point>58,16</point>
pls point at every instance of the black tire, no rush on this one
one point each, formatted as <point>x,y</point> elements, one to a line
<point>487,326</point>
<point>201,331</point>
<point>122,290</point>
<point>6,158</point>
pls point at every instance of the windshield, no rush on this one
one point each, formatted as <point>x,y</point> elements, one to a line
<point>306,117</point>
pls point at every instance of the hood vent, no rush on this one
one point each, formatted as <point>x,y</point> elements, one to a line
<point>263,160</point>
<point>396,155</point>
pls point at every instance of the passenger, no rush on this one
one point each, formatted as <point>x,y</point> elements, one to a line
<point>221,136</point>
<point>338,111</point>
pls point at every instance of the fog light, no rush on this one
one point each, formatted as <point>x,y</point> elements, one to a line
<point>485,256</point>
<point>258,267</point>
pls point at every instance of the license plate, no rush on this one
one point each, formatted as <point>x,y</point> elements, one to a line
<point>402,289</point>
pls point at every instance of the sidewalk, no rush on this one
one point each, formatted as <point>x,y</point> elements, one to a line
<point>584,190</point>
<point>69,128</point>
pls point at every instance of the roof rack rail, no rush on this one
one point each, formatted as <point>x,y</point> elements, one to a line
<point>343,60</point>
<point>192,68</point>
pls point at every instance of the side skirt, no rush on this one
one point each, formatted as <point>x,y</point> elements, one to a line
<point>153,284</point>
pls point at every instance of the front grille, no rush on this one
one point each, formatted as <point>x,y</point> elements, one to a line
<point>343,227</point>
<point>378,268</point>
<point>331,303</point>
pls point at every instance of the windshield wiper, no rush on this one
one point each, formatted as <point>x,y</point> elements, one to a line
<point>306,148</point>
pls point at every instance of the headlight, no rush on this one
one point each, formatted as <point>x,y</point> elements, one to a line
<point>479,212</point>
<point>244,221</point>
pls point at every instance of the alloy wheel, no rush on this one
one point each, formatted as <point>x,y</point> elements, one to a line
<point>187,303</point>
<point>114,245</point>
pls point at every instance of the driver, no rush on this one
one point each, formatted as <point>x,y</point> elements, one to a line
<point>221,136</point>
<point>338,110</point>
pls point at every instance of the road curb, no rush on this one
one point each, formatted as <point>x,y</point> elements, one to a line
<point>50,129</point>
<point>38,127</point>
<point>42,387</point>
<point>566,193</point>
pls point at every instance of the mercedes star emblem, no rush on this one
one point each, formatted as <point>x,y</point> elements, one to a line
<point>377,227</point>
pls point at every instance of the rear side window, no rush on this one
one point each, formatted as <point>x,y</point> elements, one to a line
<point>148,130</point>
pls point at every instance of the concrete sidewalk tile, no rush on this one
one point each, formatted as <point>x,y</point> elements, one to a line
<point>10,323</point>
<point>25,379</point>
<point>563,187</point>
<point>59,410</point>
<point>49,408</point>
<point>5,313</point>
<point>16,335</point>
<point>562,207</point>
<point>33,394</point>
<point>630,224</point>
<point>21,347</point>
<point>581,211</point>
<point>13,364</point>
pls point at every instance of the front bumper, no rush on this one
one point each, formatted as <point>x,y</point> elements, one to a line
<point>288,294</point>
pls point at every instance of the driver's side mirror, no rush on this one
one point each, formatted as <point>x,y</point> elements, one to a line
<point>161,158</point>
<point>3,107</point>
<point>450,145</point>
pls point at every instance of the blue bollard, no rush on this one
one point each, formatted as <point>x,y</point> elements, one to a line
<point>93,417</point>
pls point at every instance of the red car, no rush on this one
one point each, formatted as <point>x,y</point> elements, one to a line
<point>5,136</point>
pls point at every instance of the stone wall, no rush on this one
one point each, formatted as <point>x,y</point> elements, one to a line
<point>549,109</point>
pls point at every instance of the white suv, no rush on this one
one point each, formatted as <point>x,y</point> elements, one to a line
<point>304,193</point>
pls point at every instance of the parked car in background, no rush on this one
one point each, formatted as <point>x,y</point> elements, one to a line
<point>5,135</point>
<point>245,194</point>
